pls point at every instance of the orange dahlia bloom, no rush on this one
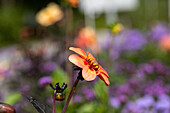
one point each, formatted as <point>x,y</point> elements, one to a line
<point>87,39</point>
<point>73,3</point>
<point>165,42</point>
<point>89,65</point>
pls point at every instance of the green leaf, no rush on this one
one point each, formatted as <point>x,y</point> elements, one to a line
<point>117,79</point>
<point>87,108</point>
<point>101,91</point>
<point>12,98</point>
<point>59,76</point>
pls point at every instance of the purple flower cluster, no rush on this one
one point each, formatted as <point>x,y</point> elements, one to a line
<point>156,88</point>
<point>77,98</point>
<point>153,67</point>
<point>144,69</point>
<point>114,102</point>
<point>48,66</point>
<point>145,104</point>
<point>119,94</point>
<point>128,40</point>
<point>85,94</point>
<point>158,31</point>
<point>163,104</point>
<point>88,93</point>
<point>125,66</point>
<point>44,80</point>
<point>25,88</point>
<point>107,42</point>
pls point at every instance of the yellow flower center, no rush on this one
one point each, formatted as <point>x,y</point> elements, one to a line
<point>92,63</point>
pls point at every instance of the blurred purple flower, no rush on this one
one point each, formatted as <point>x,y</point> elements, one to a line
<point>122,98</point>
<point>131,107</point>
<point>107,42</point>
<point>48,66</point>
<point>120,92</point>
<point>145,69</point>
<point>9,73</point>
<point>160,68</point>
<point>22,64</point>
<point>112,90</point>
<point>155,88</point>
<point>129,40</point>
<point>168,88</point>
<point>2,97</point>
<point>124,89</point>
<point>114,102</point>
<point>25,89</point>
<point>125,66</point>
<point>88,93</point>
<point>163,104</point>
<point>145,102</point>
<point>133,83</point>
<point>158,31</point>
<point>44,80</point>
<point>114,54</point>
<point>77,98</point>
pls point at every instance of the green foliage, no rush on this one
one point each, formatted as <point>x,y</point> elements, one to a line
<point>12,98</point>
<point>12,20</point>
<point>101,90</point>
<point>59,76</point>
<point>117,79</point>
<point>87,108</point>
<point>100,21</point>
<point>10,23</point>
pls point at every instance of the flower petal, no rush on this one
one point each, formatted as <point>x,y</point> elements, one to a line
<point>77,60</point>
<point>88,74</point>
<point>103,71</point>
<point>104,78</point>
<point>79,51</point>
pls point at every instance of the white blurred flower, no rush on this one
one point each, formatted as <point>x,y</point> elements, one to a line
<point>49,15</point>
<point>8,57</point>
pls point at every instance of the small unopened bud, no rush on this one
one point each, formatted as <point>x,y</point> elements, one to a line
<point>60,96</point>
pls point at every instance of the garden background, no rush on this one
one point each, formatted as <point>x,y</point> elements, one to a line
<point>130,39</point>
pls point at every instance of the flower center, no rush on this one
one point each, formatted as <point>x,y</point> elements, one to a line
<point>92,63</point>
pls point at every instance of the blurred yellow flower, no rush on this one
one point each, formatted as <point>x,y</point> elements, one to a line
<point>73,3</point>
<point>117,28</point>
<point>165,42</point>
<point>49,15</point>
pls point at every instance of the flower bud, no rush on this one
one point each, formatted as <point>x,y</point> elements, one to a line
<point>60,96</point>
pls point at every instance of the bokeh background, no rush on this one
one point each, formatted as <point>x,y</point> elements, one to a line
<point>129,38</point>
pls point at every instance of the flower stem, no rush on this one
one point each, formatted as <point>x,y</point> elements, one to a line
<point>70,95</point>
<point>54,100</point>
